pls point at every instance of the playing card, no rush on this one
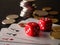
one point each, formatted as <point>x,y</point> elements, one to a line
<point>32,20</point>
<point>4,31</point>
<point>29,20</point>
<point>7,32</point>
<point>6,36</point>
<point>23,38</point>
<point>14,27</point>
<point>39,40</point>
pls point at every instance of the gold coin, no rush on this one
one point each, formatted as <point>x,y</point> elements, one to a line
<point>46,8</point>
<point>9,21</point>
<point>53,12</point>
<point>56,28</point>
<point>13,16</point>
<point>55,35</point>
<point>50,17</point>
<point>40,13</point>
<point>36,17</point>
<point>54,20</point>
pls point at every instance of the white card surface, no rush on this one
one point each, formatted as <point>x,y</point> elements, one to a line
<point>21,36</point>
<point>14,26</point>
<point>29,20</point>
<point>4,31</point>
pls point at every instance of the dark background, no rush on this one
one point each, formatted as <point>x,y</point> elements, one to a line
<point>12,7</point>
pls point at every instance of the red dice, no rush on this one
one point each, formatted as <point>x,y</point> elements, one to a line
<point>32,29</point>
<point>45,24</point>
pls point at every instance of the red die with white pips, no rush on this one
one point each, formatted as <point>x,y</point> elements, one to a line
<point>32,29</point>
<point>45,24</point>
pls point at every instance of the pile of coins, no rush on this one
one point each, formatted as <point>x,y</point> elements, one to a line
<point>55,34</point>
<point>39,13</point>
<point>10,19</point>
<point>46,12</point>
<point>28,8</point>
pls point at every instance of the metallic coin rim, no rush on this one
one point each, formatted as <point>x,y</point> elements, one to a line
<point>42,13</point>
<point>11,16</point>
<point>46,8</point>
<point>52,12</point>
<point>55,28</point>
<point>53,37</point>
<point>54,20</point>
<point>5,21</point>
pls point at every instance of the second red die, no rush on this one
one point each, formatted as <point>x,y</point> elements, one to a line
<point>45,24</point>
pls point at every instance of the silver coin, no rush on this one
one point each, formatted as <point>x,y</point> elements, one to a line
<point>22,3</point>
<point>24,9</point>
<point>28,0</point>
<point>22,14</point>
<point>8,21</point>
<point>40,12</point>
<point>13,16</point>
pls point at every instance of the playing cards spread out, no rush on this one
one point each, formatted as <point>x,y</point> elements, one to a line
<point>16,34</point>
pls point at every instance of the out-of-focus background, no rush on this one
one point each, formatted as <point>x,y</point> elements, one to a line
<point>12,6</point>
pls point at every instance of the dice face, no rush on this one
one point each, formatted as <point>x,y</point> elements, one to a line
<point>32,29</point>
<point>45,24</point>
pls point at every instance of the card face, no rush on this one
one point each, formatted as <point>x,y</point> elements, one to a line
<point>32,20</point>
<point>6,35</point>
<point>29,20</point>
<point>14,27</point>
<point>5,32</point>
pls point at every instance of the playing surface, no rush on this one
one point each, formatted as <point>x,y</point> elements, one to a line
<point>22,38</point>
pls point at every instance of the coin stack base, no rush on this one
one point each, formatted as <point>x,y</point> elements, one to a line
<point>55,34</point>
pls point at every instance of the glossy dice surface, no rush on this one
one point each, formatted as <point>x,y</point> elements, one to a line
<point>32,29</point>
<point>45,24</point>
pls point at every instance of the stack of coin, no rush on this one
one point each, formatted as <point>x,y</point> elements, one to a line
<point>54,20</point>
<point>55,34</point>
<point>56,28</point>
<point>39,13</point>
<point>53,12</point>
<point>10,19</point>
<point>50,11</point>
<point>13,16</point>
<point>28,8</point>
<point>46,8</point>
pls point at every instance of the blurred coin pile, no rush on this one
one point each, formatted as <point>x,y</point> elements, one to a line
<point>55,34</point>
<point>28,7</point>
<point>10,19</point>
<point>46,12</point>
